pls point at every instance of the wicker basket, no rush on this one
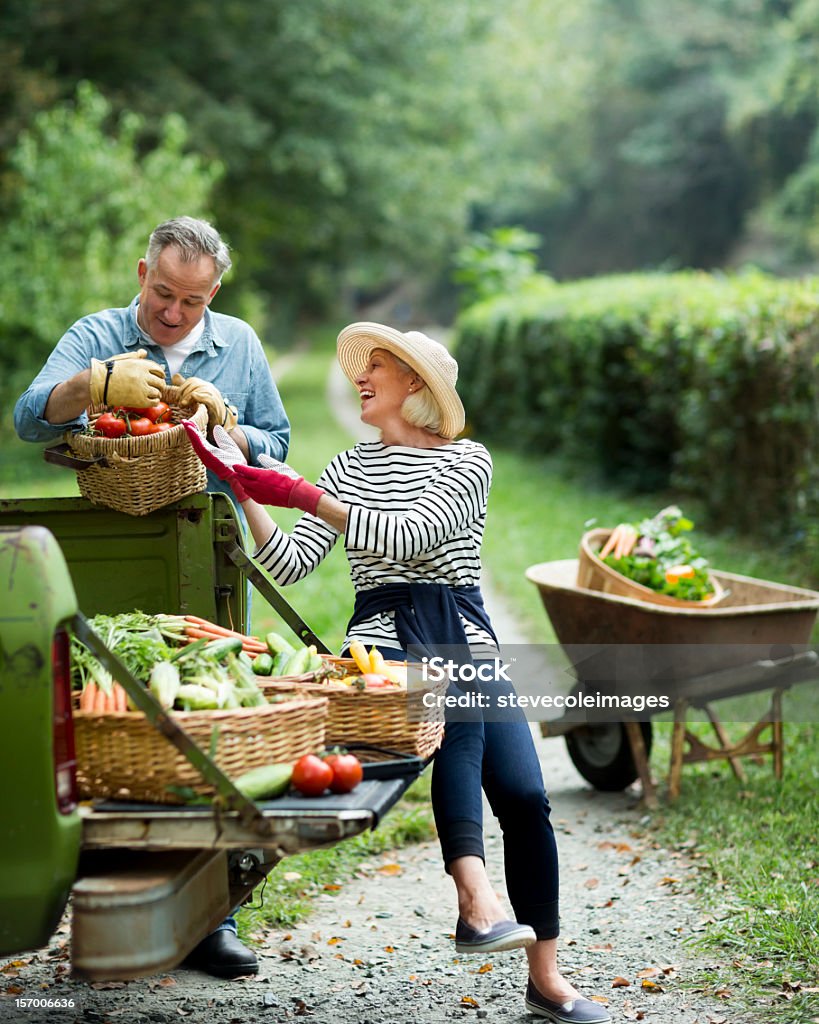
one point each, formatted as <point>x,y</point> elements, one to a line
<point>394,718</point>
<point>122,755</point>
<point>140,474</point>
<point>594,574</point>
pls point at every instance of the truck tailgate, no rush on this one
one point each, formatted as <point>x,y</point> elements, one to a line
<point>299,822</point>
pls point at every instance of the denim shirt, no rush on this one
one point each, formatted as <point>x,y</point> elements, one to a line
<point>228,354</point>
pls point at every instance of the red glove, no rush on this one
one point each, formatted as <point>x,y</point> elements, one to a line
<point>220,461</point>
<point>270,487</point>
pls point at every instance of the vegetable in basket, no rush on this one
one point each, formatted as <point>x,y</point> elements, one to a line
<point>211,672</point>
<point>658,554</point>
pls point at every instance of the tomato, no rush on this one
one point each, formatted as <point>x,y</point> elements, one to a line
<point>311,775</point>
<point>373,680</point>
<point>347,772</point>
<point>159,413</point>
<point>110,425</point>
<point>140,427</point>
<point>161,427</point>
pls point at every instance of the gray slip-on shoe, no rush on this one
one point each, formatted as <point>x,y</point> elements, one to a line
<point>501,936</point>
<point>573,1011</point>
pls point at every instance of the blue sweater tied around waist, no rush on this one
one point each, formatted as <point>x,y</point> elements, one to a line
<point>427,615</point>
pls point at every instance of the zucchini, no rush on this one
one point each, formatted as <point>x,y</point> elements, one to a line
<point>278,645</point>
<point>266,782</point>
<point>263,664</point>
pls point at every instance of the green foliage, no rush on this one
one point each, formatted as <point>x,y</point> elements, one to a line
<point>352,133</point>
<point>82,200</point>
<point>705,382</point>
<point>755,844</point>
<point>494,263</point>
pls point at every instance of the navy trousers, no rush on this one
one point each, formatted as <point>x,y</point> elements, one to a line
<point>494,751</point>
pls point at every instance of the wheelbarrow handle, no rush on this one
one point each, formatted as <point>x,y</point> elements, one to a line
<point>59,455</point>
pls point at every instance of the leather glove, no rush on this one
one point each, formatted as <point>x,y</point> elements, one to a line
<point>127,379</point>
<point>219,458</point>
<point>195,391</point>
<point>272,487</point>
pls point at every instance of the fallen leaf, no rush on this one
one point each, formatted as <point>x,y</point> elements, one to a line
<point>167,982</point>
<point>591,883</point>
<point>390,869</point>
<point>389,949</point>
<point>484,968</point>
<point>334,941</point>
<point>601,947</point>
<point>14,990</point>
<point>330,887</point>
<point>650,986</point>
<point>620,983</point>
<point>668,880</point>
<point>649,972</point>
<point>469,1001</point>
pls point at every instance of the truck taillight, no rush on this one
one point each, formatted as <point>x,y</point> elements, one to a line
<point>65,763</point>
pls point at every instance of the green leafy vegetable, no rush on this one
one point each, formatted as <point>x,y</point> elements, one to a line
<point>664,548</point>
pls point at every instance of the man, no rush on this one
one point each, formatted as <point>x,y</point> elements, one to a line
<point>218,361</point>
<point>123,356</point>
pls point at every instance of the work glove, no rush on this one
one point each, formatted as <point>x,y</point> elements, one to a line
<point>127,379</point>
<point>195,391</point>
<point>281,487</point>
<point>220,458</point>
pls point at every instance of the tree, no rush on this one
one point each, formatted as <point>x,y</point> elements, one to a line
<point>81,202</point>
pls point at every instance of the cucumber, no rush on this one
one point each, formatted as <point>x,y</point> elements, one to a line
<point>196,698</point>
<point>263,664</point>
<point>297,664</point>
<point>220,649</point>
<point>278,645</point>
<point>279,662</point>
<point>266,782</point>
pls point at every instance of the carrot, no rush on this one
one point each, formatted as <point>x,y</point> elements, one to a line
<point>211,627</point>
<point>614,536</point>
<point>249,644</point>
<point>101,700</point>
<point>120,698</point>
<point>88,696</point>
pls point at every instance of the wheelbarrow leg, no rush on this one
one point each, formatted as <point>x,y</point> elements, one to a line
<point>777,737</point>
<point>725,743</point>
<point>677,747</point>
<point>638,752</point>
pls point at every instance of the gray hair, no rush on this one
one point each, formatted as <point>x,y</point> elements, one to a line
<point>420,409</point>
<point>193,238</point>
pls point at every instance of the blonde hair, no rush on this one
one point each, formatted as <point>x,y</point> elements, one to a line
<point>420,409</point>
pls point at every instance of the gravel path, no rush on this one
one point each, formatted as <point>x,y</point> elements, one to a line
<point>380,949</point>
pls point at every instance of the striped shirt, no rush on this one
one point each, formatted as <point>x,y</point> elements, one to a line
<point>416,515</point>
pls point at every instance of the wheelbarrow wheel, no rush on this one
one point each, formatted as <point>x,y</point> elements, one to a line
<point>602,754</point>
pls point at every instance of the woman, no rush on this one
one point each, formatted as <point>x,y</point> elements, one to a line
<point>412,507</point>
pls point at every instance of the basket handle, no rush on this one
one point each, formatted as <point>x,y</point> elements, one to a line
<point>58,455</point>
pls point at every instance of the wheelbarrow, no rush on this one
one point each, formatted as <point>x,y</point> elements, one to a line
<point>757,638</point>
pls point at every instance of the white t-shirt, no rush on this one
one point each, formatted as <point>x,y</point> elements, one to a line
<point>178,353</point>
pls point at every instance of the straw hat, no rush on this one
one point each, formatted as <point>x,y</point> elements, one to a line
<point>428,358</point>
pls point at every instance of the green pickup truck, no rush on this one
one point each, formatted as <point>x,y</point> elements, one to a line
<point>147,882</point>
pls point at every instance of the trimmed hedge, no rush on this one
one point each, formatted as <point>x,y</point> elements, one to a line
<point>704,383</point>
